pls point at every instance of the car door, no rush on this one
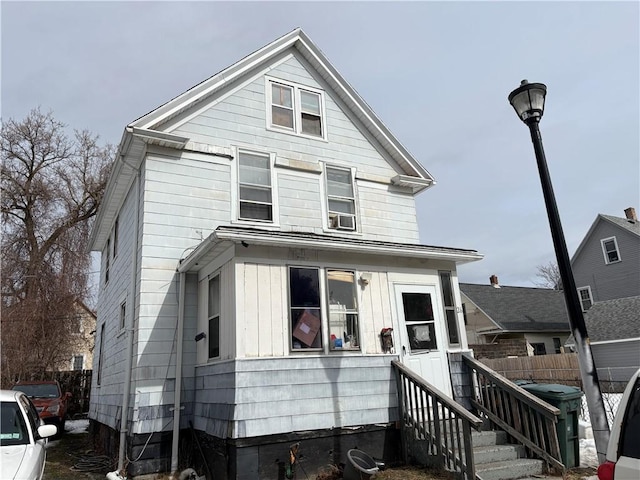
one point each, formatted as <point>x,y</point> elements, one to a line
<point>35,456</point>
<point>628,464</point>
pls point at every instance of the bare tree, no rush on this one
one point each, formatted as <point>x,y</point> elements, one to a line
<point>549,276</point>
<point>52,185</point>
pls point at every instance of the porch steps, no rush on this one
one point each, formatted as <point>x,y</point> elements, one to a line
<point>497,460</point>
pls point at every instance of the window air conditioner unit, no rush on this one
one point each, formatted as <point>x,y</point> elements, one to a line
<point>342,222</point>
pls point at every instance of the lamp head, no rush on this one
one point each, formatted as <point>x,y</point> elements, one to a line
<point>528,101</point>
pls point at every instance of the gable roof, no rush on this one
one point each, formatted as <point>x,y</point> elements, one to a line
<point>520,309</point>
<point>615,319</point>
<point>147,129</point>
<point>624,224</point>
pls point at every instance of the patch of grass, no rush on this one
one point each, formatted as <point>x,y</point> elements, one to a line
<point>70,450</point>
<point>413,473</point>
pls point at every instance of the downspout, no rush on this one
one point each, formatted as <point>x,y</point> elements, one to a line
<point>178,392</point>
<point>130,328</point>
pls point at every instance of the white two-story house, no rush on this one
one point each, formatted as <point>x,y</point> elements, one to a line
<point>259,238</point>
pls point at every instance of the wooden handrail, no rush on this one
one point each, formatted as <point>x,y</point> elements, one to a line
<point>527,418</point>
<point>431,416</point>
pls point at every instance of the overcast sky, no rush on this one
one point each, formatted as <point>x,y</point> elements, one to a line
<point>437,74</point>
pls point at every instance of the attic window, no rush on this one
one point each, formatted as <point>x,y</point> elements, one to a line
<point>295,109</point>
<point>610,250</point>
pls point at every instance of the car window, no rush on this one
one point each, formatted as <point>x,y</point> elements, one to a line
<point>630,427</point>
<point>39,390</point>
<point>32,414</point>
<point>12,425</point>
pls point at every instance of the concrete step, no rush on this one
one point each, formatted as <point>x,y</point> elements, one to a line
<point>497,453</point>
<point>488,437</point>
<point>509,470</point>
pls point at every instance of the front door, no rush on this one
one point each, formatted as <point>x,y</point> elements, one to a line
<point>422,334</point>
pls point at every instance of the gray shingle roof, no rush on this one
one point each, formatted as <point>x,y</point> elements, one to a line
<point>614,319</point>
<point>520,309</point>
<point>632,226</point>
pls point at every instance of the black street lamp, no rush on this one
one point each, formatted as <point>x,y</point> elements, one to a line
<point>528,102</point>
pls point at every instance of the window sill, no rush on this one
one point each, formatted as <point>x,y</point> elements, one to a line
<point>285,131</point>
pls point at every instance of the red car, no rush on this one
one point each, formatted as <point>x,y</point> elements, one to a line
<point>48,399</point>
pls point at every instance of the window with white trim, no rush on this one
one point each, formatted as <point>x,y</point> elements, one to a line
<point>610,250</point>
<point>255,195</point>
<point>116,228</point>
<point>308,310</point>
<point>586,300</point>
<point>213,317</point>
<point>341,200</point>
<point>449,307</point>
<point>123,315</point>
<point>296,109</point>
<point>107,261</point>
<point>100,356</point>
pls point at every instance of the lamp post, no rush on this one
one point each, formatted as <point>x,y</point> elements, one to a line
<point>528,102</point>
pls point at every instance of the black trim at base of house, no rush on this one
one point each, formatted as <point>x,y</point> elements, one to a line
<point>266,457</point>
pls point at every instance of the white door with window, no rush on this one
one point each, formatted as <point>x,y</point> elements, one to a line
<point>423,334</point>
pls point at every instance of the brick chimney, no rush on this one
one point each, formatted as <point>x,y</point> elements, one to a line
<point>631,214</point>
<point>494,281</point>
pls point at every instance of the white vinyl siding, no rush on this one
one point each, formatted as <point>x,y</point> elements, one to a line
<point>386,213</point>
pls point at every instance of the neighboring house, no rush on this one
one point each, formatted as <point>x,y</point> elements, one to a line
<point>258,236</point>
<point>523,320</point>
<point>606,264</point>
<point>84,326</point>
<point>614,333</point>
<point>606,269</point>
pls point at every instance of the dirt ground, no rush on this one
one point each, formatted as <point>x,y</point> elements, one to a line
<point>70,458</point>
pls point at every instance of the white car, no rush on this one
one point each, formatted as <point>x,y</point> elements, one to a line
<point>23,438</point>
<point>623,451</point>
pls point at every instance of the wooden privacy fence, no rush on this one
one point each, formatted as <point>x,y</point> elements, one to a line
<point>78,382</point>
<point>560,368</point>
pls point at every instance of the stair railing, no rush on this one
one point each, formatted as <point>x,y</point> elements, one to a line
<point>528,419</point>
<point>429,415</point>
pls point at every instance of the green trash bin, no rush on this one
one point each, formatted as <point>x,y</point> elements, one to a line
<point>569,401</point>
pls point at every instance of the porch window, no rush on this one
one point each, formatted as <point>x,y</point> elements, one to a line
<point>254,183</point>
<point>343,310</point>
<point>213,316</point>
<point>557,345</point>
<point>341,202</point>
<point>418,315</point>
<point>305,314</point>
<point>295,109</point>
<point>586,300</point>
<point>449,308</point>
<point>610,250</point>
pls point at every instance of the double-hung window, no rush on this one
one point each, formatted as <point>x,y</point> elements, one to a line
<point>305,313</point>
<point>255,193</point>
<point>107,261</point>
<point>213,316</point>
<point>586,300</point>
<point>610,250</point>
<point>341,201</point>
<point>296,109</point>
<point>123,315</point>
